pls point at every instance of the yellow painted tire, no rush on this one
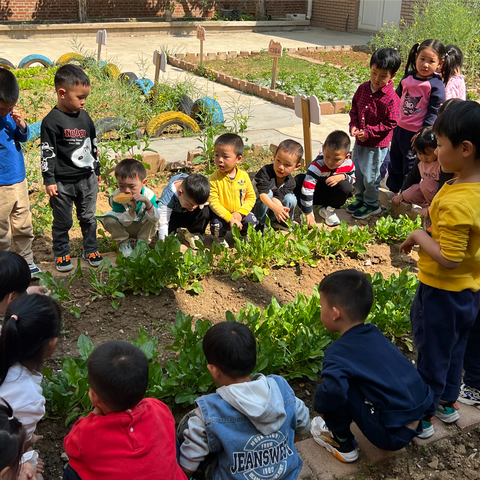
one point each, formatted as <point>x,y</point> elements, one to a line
<point>69,57</point>
<point>157,124</point>
<point>111,70</point>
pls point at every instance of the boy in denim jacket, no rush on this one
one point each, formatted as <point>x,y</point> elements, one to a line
<point>250,422</point>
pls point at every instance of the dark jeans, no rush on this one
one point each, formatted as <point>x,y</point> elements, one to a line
<point>70,474</point>
<point>195,221</point>
<point>402,158</point>
<point>369,421</point>
<point>471,360</point>
<point>84,195</point>
<point>219,227</point>
<point>441,321</point>
<point>325,195</point>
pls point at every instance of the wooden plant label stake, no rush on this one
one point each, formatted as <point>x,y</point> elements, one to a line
<point>101,40</point>
<point>308,109</point>
<point>201,35</point>
<point>160,62</point>
<point>275,50</point>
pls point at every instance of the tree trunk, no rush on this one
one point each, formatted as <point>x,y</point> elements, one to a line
<point>259,10</point>
<point>82,11</point>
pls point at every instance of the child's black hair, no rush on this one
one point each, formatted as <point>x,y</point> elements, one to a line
<point>9,89</point>
<point>424,140</point>
<point>292,148</point>
<point>69,76</point>
<point>12,439</point>
<point>118,374</point>
<point>338,140</point>
<point>448,66</point>
<point>459,121</point>
<point>15,275</point>
<point>231,347</point>
<point>197,188</point>
<point>231,140</point>
<point>31,322</point>
<point>351,290</point>
<point>456,56</point>
<point>130,168</point>
<point>386,59</point>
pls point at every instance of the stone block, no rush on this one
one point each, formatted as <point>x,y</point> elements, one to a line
<point>190,57</point>
<point>221,55</point>
<point>250,87</point>
<point>264,92</point>
<point>229,80</point>
<point>346,47</point>
<point>305,473</point>
<point>273,95</point>
<point>469,417</point>
<point>339,106</point>
<point>290,101</point>
<point>236,83</point>
<point>282,99</point>
<point>222,77</point>
<point>326,108</point>
<point>194,153</point>
<point>243,85</point>
<point>337,48</point>
<point>244,54</point>
<point>155,161</point>
<point>259,147</point>
<point>328,48</point>
<point>256,89</point>
<point>232,54</point>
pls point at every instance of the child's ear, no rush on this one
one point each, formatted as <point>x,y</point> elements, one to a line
<point>467,148</point>
<point>145,181</point>
<point>348,155</point>
<point>52,344</point>
<point>4,471</point>
<point>93,397</point>
<point>299,164</point>
<point>179,192</point>
<point>336,313</point>
<point>61,92</point>
<point>239,158</point>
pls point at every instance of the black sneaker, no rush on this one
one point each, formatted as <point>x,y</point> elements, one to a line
<point>64,264</point>
<point>354,206</point>
<point>366,211</point>
<point>94,258</point>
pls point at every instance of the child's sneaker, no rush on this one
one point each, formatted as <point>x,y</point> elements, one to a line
<point>366,211</point>
<point>221,241</point>
<point>354,206</point>
<point>126,249</point>
<point>447,412</point>
<point>331,219</point>
<point>33,269</point>
<point>469,396</point>
<point>191,238</point>
<point>94,258</point>
<point>64,264</point>
<point>428,429</point>
<point>345,450</point>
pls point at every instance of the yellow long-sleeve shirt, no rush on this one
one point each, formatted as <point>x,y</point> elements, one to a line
<point>455,225</point>
<point>228,196</point>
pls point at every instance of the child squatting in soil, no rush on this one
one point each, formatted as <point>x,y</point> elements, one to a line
<point>329,180</point>
<point>366,378</point>
<point>275,184</point>
<point>134,211</point>
<point>70,167</point>
<point>232,195</point>
<point>250,423</point>
<point>183,205</point>
<point>126,435</point>
<point>16,228</point>
<point>446,301</point>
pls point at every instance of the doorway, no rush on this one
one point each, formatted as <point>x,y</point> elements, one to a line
<point>372,14</point>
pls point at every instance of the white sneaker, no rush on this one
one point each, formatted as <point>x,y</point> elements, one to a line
<point>221,241</point>
<point>33,269</point>
<point>331,218</point>
<point>191,238</point>
<point>126,249</point>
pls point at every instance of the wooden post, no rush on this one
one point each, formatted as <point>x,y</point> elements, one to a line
<point>201,35</point>
<point>101,40</point>
<point>275,50</point>
<point>201,52</point>
<point>307,134</point>
<point>274,74</point>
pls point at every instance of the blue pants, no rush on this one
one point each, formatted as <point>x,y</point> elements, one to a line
<point>471,360</point>
<point>441,321</point>
<point>261,210</point>
<point>369,421</point>
<point>219,227</point>
<point>402,158</point>
<point>368,162</point>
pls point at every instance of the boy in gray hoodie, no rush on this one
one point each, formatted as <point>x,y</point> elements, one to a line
<point>250,423</point>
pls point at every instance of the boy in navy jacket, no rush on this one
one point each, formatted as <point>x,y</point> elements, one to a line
<point>366,379</point>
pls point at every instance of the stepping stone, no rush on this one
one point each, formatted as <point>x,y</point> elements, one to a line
<point>469,417</point>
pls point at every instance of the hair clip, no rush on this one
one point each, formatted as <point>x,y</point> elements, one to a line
<point>446,54</point>
<point>14,317</point>
<point>432,137</point>
<point>11,418</point>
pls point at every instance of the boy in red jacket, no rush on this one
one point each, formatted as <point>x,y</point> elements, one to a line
<point>124,436</point>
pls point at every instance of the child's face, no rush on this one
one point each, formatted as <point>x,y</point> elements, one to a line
<point>186,202</point>
<point>225,158</point>
<point>379,77</point>
<point>285,163</point>
<point>334,158</point>
<point>429,156</point>
<point>427,63</point>
<point>72,99</point>
<point>449,157</point>
<point>131,185</point>
<point>6,108</point>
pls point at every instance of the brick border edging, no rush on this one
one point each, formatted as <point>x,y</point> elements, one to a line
<point>185,63</point>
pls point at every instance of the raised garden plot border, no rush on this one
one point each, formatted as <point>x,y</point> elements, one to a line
<point>185,62</point>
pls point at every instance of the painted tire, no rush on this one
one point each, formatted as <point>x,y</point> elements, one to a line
<point>128,77</point>
<point>4,63</point>
<point>114,124</point>
<point>185,105</point>
<point>31,59</point>
<point>34,131</point>
<point>70,57</point>
<point>87,62</point>
<point>111,70</point>
<point>157,125</point>
<point>207,108</point>
<point>144,84</point>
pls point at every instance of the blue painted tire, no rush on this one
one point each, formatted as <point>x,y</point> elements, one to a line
<point>31,59</point>
<point>207,108</point>
<point>4,63</point>
<point>34,130</point>
<point>145,85</point>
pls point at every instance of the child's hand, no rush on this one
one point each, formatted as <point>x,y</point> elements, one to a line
<point>236,220</point>
<point>99,179</point>
<point>310,220</point>
<point>281,213</point>
<point>397,199</point>
<point>361,135</point>
<point>51,190</point>
<point>138,197</point>
<point>40,465</point>
<point>408,244</point>
<point>19,121</point>
<point>36,438</point>
<point>27,471</point>
<point>334,179</point>
<point>353,131</point>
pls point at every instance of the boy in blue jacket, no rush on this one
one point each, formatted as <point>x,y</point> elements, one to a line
<point>366,379</point>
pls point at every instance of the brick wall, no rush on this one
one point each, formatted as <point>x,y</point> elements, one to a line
<point>67,10</point>
<point>407,10</point>
<point>332,14</point>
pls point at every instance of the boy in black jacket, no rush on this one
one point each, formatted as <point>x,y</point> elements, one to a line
<point>366,379</point>
<point>70,167</point>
